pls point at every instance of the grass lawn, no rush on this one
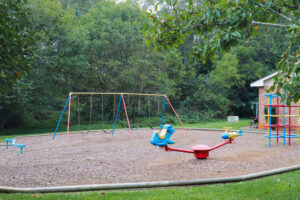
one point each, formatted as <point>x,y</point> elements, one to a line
<point>220,124</point>
<point>12,133</point>
<point>285,186</point>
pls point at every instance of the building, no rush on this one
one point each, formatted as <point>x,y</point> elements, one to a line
<point>263,85</point>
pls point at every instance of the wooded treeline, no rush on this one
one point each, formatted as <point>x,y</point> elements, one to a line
<point>93,45</point>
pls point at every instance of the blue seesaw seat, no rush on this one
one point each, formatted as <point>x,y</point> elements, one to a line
<point>13,143</point>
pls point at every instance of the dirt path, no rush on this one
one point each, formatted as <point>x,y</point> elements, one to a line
<point>98,157</point>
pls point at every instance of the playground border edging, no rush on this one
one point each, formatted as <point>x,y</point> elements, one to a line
<point>144,185</point>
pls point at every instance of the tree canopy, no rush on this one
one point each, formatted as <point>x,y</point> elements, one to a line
<point>16,43</point>
<point>220,25</point>
<point>214,52</point>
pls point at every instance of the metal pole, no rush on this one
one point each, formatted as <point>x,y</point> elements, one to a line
<point>61,117</point>
<point>69,113</point>
<point>116,116</point>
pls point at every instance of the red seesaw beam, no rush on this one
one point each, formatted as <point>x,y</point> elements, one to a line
<point>222,144</point>
<point>179,150</point>
<point>199,151</point>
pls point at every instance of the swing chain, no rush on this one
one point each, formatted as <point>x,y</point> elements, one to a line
<point>91,110</point>
<point>78,110</point>
<point>102,112</point>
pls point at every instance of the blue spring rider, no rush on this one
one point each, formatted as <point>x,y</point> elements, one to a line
<point>163,137</point>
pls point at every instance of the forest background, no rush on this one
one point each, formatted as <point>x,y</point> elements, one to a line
<point>79,45</point>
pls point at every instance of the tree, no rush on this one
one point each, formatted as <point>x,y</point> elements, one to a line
<point>16,53</point>
<point>16,42</point>
<point>80,7</point>
<point>101,49</point>
<point>233,72</point>
<point>219,25</point>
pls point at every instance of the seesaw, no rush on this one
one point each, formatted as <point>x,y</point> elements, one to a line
<point>13,143</point>
<point>201,151</point>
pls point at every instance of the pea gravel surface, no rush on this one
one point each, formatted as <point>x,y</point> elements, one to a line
<point>98,157</point>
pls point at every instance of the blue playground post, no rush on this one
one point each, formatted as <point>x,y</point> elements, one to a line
<point>117,115</point>
<point>162,118</point>
<point>283,121</point>
<point>61,117</point>
<point>270,135</point>
<point>270,128</point>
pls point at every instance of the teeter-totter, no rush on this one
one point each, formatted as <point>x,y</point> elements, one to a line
<point>12,142</point>
<point>201,151</point>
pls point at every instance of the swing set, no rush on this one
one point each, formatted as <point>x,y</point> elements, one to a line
<point>115,116</point>
<point>162,138</point>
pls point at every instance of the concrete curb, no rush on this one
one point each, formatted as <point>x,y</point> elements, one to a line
<point>138,185</point>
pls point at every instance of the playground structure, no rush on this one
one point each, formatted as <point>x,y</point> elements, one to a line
<point>12,142</point>
<point>121,100</point>
<point>201,151</point>
<point>281,117</point>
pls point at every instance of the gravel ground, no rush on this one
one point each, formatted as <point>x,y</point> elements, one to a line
<point>98,157</point>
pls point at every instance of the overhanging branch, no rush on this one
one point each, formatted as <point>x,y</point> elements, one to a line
<point>268,24</point>
<point>275,12</point>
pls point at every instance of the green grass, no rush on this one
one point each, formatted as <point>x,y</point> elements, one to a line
<point>220,124</point>
<point>217,124</point>
<point>12,133</point>
<point>285,186</point>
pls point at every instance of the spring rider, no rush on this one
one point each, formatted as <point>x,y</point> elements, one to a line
<point>163,137</point>
<point>201,151</point>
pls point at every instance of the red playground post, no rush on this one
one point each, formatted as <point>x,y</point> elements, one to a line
<point>126,116</point>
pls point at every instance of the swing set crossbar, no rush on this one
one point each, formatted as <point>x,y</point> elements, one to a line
<point>116,93</point>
